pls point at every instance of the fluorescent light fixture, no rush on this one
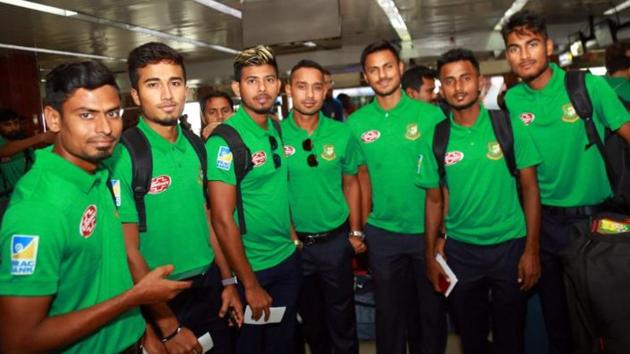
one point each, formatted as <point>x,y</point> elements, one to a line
<point>117,24</point>
<point>395,19</point>
<point>624,5</point>
<point>517,5</point>
<point>221,8</point>
<point>59,52</point>
<point>310,44</point>
<point>39,7</point>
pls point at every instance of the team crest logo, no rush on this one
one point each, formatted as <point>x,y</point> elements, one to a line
<point>527,118</point>
<point>23,254</point>
<point>159,184</point>
<point>259,158</point>
<point>224,158</point>
<point>412,132</point>
<point>569,114</point>
<point>453,157</point>
<point>494,151</point>
<point>329,152</point>
<point>88,221</point>
<point>289,150</point>
<point>116,191</point>
<point>370,136</point>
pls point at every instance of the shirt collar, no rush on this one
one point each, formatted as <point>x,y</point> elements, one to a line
<point>482,119</point>
<point>320,124</point>
<point>160,143</point>
<point>56,165</point>
<point>248,123</point>
<point>404,100</point>
<point>555,84</point>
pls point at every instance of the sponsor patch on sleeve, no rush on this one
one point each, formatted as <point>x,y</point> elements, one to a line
<point>224,158</point>
<point>24,254</point>
<point>420,158</point>
<point>116,191</point>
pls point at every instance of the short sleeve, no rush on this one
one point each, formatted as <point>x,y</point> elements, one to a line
<point>32,242</point>
<point>220,161</point>
<point>427,174</point>
<point>525,150</point>
<point>120,167</point>
<point>351,158</point>
<point>610,110</point>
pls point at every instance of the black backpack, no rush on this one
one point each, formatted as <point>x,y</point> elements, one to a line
<point>613,148</point>
<point>502,127</point>
<point>142,165</point>
<point>242,159</point>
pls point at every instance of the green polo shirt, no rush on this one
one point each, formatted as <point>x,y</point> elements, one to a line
<point>177,224</point>
<point>62,237</point>
<point>12,168</point>
<point>483,205</point>
<point>389,144</point>
<point>620,85</point>
<point>316,193</point>
<point>264,190</point>
<point>569,175</point>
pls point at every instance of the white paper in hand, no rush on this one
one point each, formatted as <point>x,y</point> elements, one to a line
<point>275,316</point>
<point>452,279</point>
<point>206,342</point>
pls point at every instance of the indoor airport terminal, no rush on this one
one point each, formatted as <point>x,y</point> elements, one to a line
<point>315,176</point>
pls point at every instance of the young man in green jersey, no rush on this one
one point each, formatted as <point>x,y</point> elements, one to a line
<point>572,176</point>
<point>64,280</point>
<point>388,132</point>
<point>322,160</point>
<point>492,242</point>
<point>173,234</point>
<point>264,257</point>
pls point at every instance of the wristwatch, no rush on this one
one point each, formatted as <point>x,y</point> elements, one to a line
<point>229,281</point>
<point>358,234</point>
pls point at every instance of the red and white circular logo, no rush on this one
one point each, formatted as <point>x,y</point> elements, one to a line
<point>453,157</point>
<point>159,184</point>
<point>259,158</point>
<point>370,136</point>
<point>289,150</point>
<point>88,221</point>
<point>527,118</point>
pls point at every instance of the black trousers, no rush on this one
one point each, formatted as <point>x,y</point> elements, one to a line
<point>327,297</point>
<point>487,295</point>
<point>555,234</point>
<point>197,309</point>
<point>395,259</point>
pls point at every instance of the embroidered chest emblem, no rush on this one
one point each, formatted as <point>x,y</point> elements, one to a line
<point>88,221</point>
<point>412,132</point>
<point>569,114</point>
<point>289,150</point>
<point>453,157</point>
<point>329,152</point>
<point>160,184</point>
<point>527,118</point>
<point>370,136</point>
<point>259,158</point>
<point>494,151</point>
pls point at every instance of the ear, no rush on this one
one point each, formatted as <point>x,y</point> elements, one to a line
<point>287,89</point>
<point>401,67</point>
<point>410,92</point>
<point>135,96</point>
<point>236,88</point>
<point>549,44</point>
<point>53,119</point>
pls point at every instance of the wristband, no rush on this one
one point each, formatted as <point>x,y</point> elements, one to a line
<point>172,335</point>
<point>358,234</point>
<point>229,281</point>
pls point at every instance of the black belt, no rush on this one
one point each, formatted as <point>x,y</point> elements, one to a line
<point>309,238</point>
<point>586,210</point>
<point>135,348</point>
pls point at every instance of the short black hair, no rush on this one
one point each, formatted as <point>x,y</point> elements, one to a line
<point>457,54</point>
<point>617,58</point>
<point>377,47</point>
<point>254,56</point>
<point>412,78</point>
<point>66,78</point>
<point>215,94</point>
<point>525,20</point>
<point>305,63</point>
<point>7,114</point>
<point>151,53</point>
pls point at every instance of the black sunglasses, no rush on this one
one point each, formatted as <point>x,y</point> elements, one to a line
<point>277,161</point>
<point>311,159</point>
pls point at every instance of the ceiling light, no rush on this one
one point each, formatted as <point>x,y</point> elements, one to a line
<point>395,19</point>
<point>310,44</point>
<point>517,5</point>
<point>624,5</point>
<point>39,7</point>
<point>117,24</point>
<point>221,8</point>
<point>59,52</point>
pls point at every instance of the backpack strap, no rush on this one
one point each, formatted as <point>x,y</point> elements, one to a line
<point>441,135</point>
<point>200,150</point>
<point>142,168</point>
<point>242,157</point>
<point>502,127</point>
